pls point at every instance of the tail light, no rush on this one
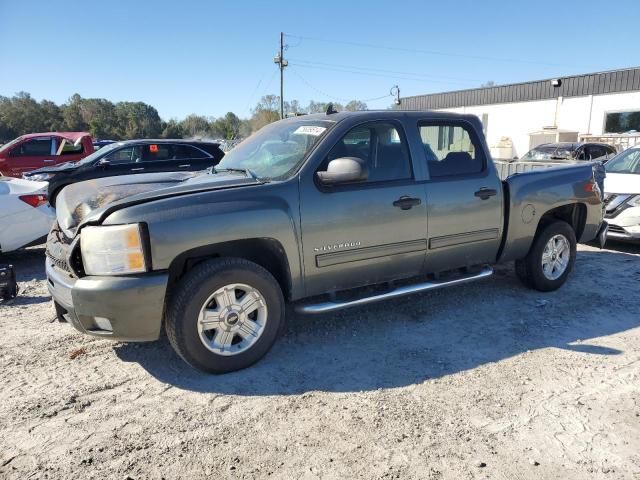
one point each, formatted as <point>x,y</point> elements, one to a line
<point>34,200</point>
<point>591,186</point>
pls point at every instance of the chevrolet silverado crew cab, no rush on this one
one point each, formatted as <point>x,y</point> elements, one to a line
<point>308,210</point>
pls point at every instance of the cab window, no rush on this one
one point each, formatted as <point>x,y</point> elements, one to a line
<point>450,150</point>
<point>381,147</point>
<point>36,147</point>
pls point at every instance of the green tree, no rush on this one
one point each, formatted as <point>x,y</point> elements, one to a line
<point>137,120</point>
<point>227,127</point>
<point>265,112</point>
<point>172,129</point>
<point>355,105</point>
<point>72,115</point>
<point>195,126</point>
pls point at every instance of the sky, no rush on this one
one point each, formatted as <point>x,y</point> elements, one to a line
<point>211,57</point>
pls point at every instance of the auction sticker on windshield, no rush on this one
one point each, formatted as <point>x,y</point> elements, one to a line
<point>310,130</point>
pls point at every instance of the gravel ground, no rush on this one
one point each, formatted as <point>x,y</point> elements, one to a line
<point>488,380</point>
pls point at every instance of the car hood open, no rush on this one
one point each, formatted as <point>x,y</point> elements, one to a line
<point>91,201</point>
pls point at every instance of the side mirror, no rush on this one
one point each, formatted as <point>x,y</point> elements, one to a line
<point>343,170</point>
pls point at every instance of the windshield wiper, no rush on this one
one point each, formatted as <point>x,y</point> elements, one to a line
<point>251,173</point>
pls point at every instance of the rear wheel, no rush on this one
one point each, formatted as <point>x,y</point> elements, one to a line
<point>551,258</point>
<point>225,315</point>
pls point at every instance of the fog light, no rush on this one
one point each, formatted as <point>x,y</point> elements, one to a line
<point>103,323</point>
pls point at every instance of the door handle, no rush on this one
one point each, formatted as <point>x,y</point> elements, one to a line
<point>484,193</point>
<point>406,203</point>
<point>185,165</point>
<point>48,161</point>
<point>137,169</point>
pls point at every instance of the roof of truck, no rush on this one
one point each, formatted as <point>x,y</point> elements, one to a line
<point>373,114</point>
<point>69,135</point>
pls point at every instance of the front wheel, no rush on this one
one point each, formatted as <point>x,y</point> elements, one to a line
<point>225,315</point>
<point>551,258</point>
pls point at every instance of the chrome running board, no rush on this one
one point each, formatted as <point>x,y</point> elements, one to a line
<point>330,306</point>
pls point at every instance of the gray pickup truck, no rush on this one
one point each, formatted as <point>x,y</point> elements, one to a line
<point>323,211</point>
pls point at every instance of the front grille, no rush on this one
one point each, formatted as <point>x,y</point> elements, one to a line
<point>58,247</point>
<point>616,229</point>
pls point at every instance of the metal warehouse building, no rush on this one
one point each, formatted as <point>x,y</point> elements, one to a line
<point>519,116</point>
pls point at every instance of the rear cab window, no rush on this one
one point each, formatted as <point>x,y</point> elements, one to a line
<point>67,147</point>
<point>451,150</point>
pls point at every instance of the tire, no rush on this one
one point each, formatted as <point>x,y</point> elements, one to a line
<point>238,336</point>
<point>530,269</point>
<point>54,196</point>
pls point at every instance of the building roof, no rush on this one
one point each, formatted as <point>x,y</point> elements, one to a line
<point>572,86</point>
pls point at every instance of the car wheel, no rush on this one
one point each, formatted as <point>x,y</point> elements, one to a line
<point>551,258</point>
<point>225,315</point>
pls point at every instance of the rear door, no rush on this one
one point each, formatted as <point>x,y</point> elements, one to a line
<point>464,197</point>
<point>189,157</point>
<point>368,232</point>
<point>36,152</point>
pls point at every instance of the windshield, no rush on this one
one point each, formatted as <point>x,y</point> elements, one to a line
<point>10,144</point>
<point>276,150</point>
<point>548,152</point>
<point>626,162</point>
<point>99,153</point>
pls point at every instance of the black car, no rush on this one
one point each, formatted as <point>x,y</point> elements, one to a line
<point>131,157</point>
<point>568,151</point>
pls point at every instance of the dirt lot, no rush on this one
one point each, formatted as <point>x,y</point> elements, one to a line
<point>488,380</point>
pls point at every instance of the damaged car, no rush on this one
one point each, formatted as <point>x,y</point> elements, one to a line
<point>326,212</point>
<point>622,196</point>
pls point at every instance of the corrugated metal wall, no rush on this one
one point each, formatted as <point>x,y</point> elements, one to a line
<point>575,86</point>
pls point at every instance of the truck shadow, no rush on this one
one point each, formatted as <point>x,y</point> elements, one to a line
<point>428,336</point>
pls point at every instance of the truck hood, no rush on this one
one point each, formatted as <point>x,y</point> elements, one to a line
<point>622,183</point>
<point>93,200</point>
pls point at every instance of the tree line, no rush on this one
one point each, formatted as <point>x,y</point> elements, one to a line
<point>104,119</point>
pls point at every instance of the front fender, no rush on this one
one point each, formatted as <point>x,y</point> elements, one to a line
<point>190,222</point>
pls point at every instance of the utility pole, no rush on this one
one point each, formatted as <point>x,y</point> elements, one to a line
<point>282,63</point>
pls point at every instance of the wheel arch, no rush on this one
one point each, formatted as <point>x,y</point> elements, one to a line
<point>266,252</point>
<point>575,214</point>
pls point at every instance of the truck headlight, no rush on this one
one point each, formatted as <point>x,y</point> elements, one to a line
<point>112,250</point>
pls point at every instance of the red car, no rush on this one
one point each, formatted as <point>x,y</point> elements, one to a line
<point>37,150</point>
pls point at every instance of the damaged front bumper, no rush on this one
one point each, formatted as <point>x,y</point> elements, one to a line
<point>127,308</point>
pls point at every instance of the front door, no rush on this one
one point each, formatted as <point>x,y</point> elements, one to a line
<point>366,232</point>
<point>33,153</point>
<point>464,197</point>
<point>124,161</point>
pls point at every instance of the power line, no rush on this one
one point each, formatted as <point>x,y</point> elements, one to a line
<point>372,74</point>
<point>369,69</point>
<point>339,99</point>
<point>428,52</point>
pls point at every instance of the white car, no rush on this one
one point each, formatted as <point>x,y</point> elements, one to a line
<point>622,195</point>
<point>25,213</point>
